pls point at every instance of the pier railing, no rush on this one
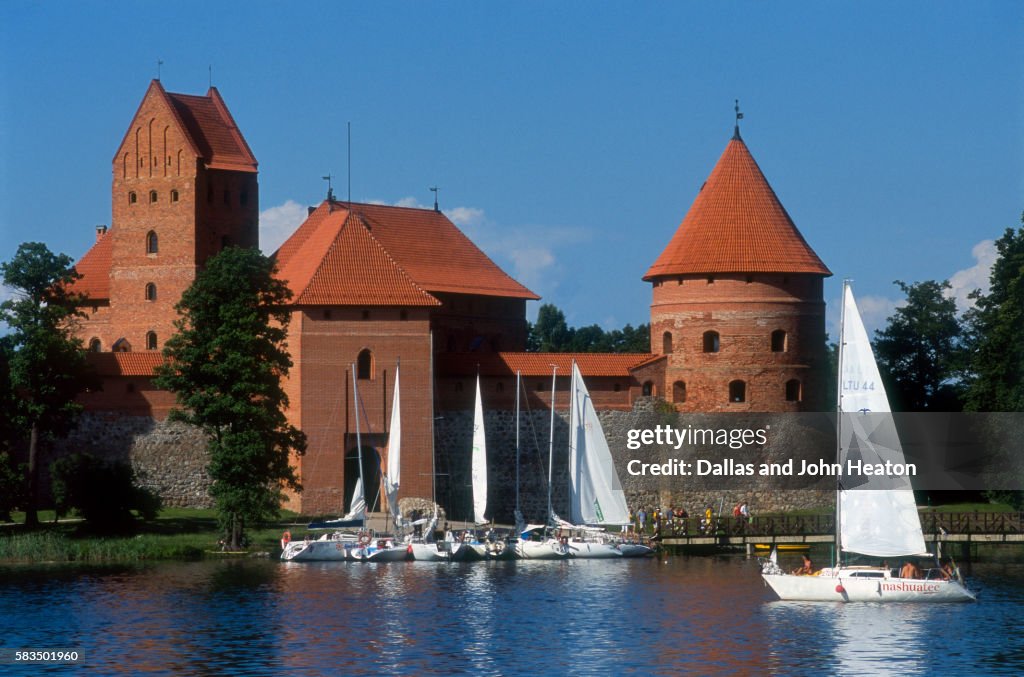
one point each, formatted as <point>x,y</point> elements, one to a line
<point>989,526</point>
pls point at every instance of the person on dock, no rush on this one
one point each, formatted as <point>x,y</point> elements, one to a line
<point>641,518</point>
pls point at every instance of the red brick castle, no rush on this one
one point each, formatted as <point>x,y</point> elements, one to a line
<point>737,318</point>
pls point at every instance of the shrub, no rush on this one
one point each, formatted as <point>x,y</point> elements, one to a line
<point>104,494</point>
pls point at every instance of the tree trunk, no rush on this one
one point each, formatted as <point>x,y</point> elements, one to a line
<point>31,518</point>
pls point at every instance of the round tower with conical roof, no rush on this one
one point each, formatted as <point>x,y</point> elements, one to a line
<point>738,313</point>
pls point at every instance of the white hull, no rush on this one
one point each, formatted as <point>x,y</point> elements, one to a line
<point>395,553</point>
<point>428,552</point>
<point>592,550</point>
<point>850,585</point>
<point>549,549</point>
<point>317,551</point>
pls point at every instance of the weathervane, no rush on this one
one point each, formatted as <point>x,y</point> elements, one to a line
<point>739,116</point>
<point>433,189</point>
<point>330,190</point>
<point>159,62</point>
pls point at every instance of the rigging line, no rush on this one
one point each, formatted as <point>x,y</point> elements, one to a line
<point>369,431</point>
<point>538,458</point>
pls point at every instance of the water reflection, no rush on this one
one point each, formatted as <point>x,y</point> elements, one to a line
<point>699,614</point>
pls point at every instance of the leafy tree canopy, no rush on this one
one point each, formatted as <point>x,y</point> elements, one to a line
<point>995,328</point>
<point>551,334</point>
<point>919,347</point>
<point>225,366</point>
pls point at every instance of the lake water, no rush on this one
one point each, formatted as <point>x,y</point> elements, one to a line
<point>650,616</point>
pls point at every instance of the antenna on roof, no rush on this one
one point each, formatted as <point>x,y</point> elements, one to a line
<point>159,62</point>
<point>739,116</point>
<point>433,189</point>
<point>330,190</point>
<point>350,162</point>
<point>210,68</point>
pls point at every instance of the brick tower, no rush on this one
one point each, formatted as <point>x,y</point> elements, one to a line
<point>738,315</point>
<point>184,187</point>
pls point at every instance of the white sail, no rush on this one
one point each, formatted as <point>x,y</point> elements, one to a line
<point>595,495</point>
<point>392,474</point>
<point>357,511</point>
<point>881,522</point>
<point>479,460</point>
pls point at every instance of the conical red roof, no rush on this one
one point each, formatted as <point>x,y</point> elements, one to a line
<point>737,225</point>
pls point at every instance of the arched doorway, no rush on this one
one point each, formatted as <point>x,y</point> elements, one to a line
<point>371,477</point>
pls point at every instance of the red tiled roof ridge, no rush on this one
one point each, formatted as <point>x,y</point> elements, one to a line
<point>311,294</point>
<point>237,155</point>
<point>539,364</point>
<point>737,224</point>
<point>157,86</point>
<point>125,364</point>
<point>94,268</point>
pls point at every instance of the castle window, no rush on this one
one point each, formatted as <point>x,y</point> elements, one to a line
<point>364,365</point>
<point>121,345</point>
<point>174,196</point>
<point>666,343</point>
<point>737,391</point>
<point>152,196</point>
<point>95,346</point>
<point>152,244</point>
<point>711,279</point>
<point>679,391</point>
<point>132,197</point>
<point>750,279</point>
<point>712,342</point>
<point>168,160</point>
<point>778,341</point>
<point>648,389</point>
<point>793,390</point>
<point>151,340</point>
<point>150,291</point>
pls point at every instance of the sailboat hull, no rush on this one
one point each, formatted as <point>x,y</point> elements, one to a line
<point>549,549</point>
<point>317,551</point>
<point>848,586</point>
<point>591,550</point>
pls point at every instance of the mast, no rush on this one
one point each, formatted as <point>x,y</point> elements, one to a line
<point>359,439</point>
<point>517,443</point>
<point>551,438</point>
<point>839,419</point>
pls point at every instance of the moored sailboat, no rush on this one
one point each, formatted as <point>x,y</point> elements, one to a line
<point>877,522</point>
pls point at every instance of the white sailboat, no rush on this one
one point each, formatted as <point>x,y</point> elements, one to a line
<point>596,498</point>
<point>878,522</point>
<point>471,547</point>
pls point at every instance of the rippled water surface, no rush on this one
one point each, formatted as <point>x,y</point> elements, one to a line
<point>653,616</point>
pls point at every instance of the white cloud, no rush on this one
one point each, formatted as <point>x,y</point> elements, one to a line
<point>963,282</point>
<point>278,223</point>
<point>465,217</point>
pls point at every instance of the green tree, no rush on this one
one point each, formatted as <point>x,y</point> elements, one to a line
<point>103,493</point>
<point>918,351</point>
<point>995,328</point>
<point>225,367</point>
<point>46,362</point>
<point>551,334</point>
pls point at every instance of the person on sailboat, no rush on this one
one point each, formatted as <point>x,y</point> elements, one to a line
<point>805,569</point>
<point>910,570</point>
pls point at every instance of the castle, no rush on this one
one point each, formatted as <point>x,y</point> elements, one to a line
<point>737,316</point>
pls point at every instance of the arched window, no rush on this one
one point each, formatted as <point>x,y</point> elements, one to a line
<point>121,345</point>
<point>174,193</point>
<point>666,343</point>
<point>364,365</point>
<point>679,391</point>
<point>737,391</point>
<point>150,292</point>
<point>778,341</point>
<point>793,393</point>
<point>152,194</point>
<point>95,346</point>
<point>152,243</point>
<point>648,389</point>
<point>712,343</point>
<point>132,198</point>
<point>151,340</point>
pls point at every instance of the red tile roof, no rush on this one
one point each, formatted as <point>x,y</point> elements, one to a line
<point>538,364</point>
<point>213,131</point>
<point>427,247</point>
<point>94,268</point>
<point>125,364</point>
<point>334,259</point>
<point>737,225</point>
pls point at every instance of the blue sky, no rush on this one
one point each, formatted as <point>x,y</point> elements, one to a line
<point>568,139</point>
